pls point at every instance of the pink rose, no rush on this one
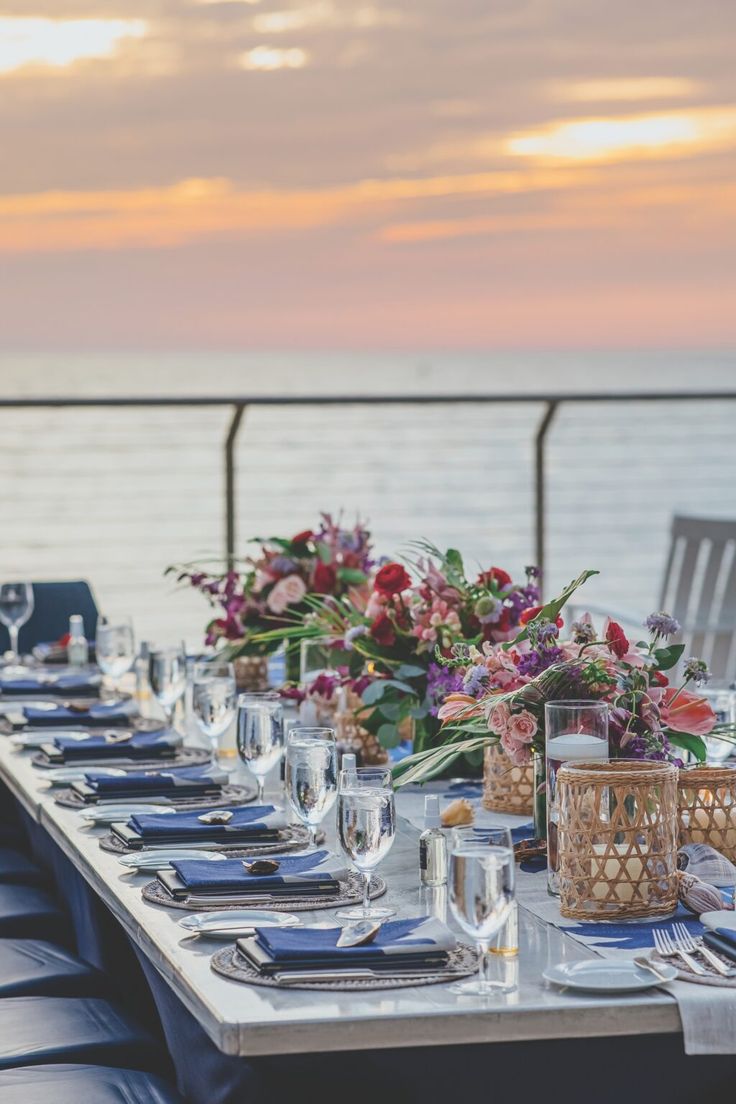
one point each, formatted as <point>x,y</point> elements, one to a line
<point>522,727</point>
<point>498,718</point>
<point>519,753</point>
<point>288,591</point>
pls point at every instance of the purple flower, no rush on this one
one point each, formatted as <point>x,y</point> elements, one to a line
<point>441,681</point>
<point>537,660</point>
<point>697,671</point>
<point>284,565</point>
<point>475,680</point>
<point>583,632</point>
<point>662,624</point>
<point>532,572</point>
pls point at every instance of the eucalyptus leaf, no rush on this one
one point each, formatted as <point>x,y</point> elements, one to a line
<point>410,670</point>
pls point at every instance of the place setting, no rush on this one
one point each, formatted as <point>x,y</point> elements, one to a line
<point>183,788</point>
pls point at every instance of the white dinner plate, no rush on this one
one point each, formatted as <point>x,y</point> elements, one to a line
<point>606,975</point>
<point>231,923</point>
<point>162,858</point>
<point>723,918</point>
<point>112,814</point>
<point>62,776</point>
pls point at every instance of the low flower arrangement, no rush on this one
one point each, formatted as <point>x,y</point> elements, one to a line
<point>503,688</point>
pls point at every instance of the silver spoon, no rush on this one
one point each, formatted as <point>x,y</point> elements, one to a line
<point>640,961</point>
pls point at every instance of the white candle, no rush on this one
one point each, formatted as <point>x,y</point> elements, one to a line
<point>714,820</point>
<point>609,870</point>
<point>576,746</point>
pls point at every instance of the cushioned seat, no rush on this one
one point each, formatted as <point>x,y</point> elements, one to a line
<point>29,912</point>
<point>38,1030</point>
<point>31,968</point>
<point>19,869</point>
<point>72,1084</point>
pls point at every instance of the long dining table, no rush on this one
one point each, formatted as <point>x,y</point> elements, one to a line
<point>246,1035</point>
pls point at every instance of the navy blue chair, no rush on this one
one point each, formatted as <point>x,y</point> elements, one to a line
<point>68,1084</point>
<point>19,869</point>
<point>53,605</point>
<point>34,968</point>
<point>29,912</point>
<point>37,1030</point>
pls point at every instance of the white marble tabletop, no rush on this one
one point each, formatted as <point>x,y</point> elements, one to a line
<point>250,1020</point>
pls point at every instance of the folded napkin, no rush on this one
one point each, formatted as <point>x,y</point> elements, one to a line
<point>297,874</point>
<point>722,940</point>
<point>141,745</point>
<point>184,782</point>
<point>258,823</point>
<point>78,686</point>
<point>419,942</point>
<point>98,713</point>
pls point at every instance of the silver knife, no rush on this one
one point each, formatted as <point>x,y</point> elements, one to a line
<point>294,977</point>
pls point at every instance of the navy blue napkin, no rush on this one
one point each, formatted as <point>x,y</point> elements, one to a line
<point>179,782</point>
<point>77,686</point>
<point>99,713</point>
<point>141,745</point>
<point>296,873</point>
<point>257,820</point>
<point>420,941</point>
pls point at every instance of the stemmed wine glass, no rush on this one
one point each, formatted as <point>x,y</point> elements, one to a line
<point>115,649</point>
<point>260,734</point>
<point>366,823</point>
<point>16,606</point>
<point>214,698</point>
<point>311,775</point>
<point>167,673</point>
<point>481,894</point>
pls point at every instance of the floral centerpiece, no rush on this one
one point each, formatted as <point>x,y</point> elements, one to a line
<point>253,602</point>
<point>505,686</point>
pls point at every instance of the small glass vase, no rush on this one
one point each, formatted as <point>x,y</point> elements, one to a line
<point>540,796</point>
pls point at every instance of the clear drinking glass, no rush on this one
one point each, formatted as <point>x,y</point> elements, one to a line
<point>501,964</point>
<point>481,897</point>
<point>311,774</point>
<point>115,649</point>
<point>16,606</point>
<point>722,700</point>
<point>366,823</point>
<point>214,699</point>
<point>260,734</point>
<point>167,674</point>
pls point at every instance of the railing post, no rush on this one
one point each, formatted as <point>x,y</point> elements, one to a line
<point>540,485</point>
<point>232,434</point>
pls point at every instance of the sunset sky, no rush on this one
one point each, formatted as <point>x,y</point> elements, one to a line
<point>367,173</point>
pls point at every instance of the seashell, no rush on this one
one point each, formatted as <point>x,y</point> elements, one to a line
<point>697,895</point>
<point>458,813</point>
<point>528,849</point>
<point>217,816</point>
<point>706,863</point>
<point>262,866</point>
<point>357,935</point>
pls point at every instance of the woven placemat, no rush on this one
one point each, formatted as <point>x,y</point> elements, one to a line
<point>351,892</point>
<point>293,838</point>
<point>182,757</point>
<point>227,962</point>
<point>230,795</point>
<point>711,978</point>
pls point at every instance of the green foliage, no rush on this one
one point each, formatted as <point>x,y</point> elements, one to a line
<point>668,657</point>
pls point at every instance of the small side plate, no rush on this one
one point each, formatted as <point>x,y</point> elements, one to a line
<point>114,814</point>
<point>162,858</point>
<point>62,776</point>
<point>606,976</point>
<point>722,918</point>
<point>231,923</point>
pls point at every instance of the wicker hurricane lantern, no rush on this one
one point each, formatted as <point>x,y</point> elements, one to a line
<point>251,673</point>
<point>506,788</point>
<point>707,807</point>
<point>617,839</point>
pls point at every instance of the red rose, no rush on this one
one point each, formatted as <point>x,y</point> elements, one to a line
<point>324,578</point>
<point>496,575</point>
<point>303,537</point>
<point>616,639</point>
<point>382,631</point>
<point>529,614</point>
<point>392,579</point>
<point>660,678</point>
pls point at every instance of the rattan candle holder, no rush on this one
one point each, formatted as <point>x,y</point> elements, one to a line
<point>617,839</point>
<point>706,797</point>
<point>506,788</point>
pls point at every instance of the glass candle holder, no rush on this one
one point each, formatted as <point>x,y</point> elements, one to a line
<point>617,842</point>
<point>506,788</point>
<point>574,731</point>
<point>706,800</point>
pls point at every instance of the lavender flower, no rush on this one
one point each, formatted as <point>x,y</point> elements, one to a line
<point>475,681</point>
<point>662,624</point>
<point>538,660</point>
<point>441,681</point>
<point>697,671</point>
<point>583,632</point>
<point>284,565</point>
<point>532,572</point>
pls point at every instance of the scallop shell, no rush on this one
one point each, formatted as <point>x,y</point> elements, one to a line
<point>698,896</point>
<point>458,813</point>
<point>706,863</point>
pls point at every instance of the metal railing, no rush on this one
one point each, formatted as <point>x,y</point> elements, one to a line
<point>549,402</point>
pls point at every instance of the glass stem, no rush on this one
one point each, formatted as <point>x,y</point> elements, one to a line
<point>366,890</point>
<point>483,965</point>
<point>312,835</point>
<point>13,633</point>
<point>261,789</point>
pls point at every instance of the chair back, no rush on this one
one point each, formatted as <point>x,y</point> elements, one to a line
<point>53,605</point>
<point>699,589</point>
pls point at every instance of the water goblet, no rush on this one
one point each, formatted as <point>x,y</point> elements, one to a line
<point>115,649</point>
<point>481,894</point>
<point>167,674</point>
<point>366,822</point>
<point>260,734</point>
<point>214,698</point>
<point>311,775</point>
<point>16,607</point>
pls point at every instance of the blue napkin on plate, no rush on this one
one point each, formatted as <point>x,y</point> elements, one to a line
<point>76,686</point>
<point>296,874</point>
<point>254,822</point>
<point>180,783</point>
<point>421,942</point>
<point>98,713</point>
<point>141,745</point>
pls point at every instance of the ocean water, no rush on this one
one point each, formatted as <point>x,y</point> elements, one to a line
<point>114,496</point>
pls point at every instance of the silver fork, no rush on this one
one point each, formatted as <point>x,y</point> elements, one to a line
<point>684,941</point>
<point>667,949</point>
